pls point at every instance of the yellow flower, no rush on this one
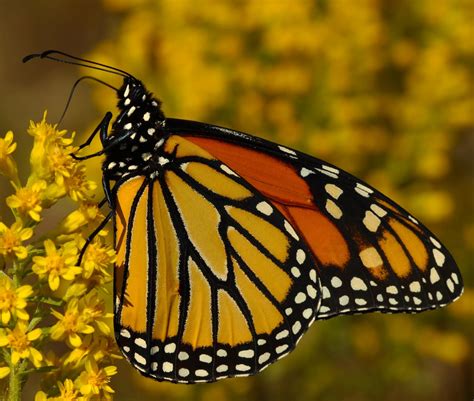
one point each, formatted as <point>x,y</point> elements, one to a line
<point>97,260</point>
<point>87,213</point>
<point>4,371</point>
<point>95,380</point>
<point>13,300</point>
<point>94,311</point>
<point>70,324</point>
<point>76,184</point>
<point>98,347</point>
<point>80,352</point>
<point>50,157</point>
<point>11,240</point>
<point>56,264</point>
<point>7,164</point>
<point>67,392</point>
<point>27,200</point>
<point>19,341</point>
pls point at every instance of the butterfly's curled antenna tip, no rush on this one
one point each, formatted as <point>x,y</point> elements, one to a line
<point>46,53</point>
<point>30,57</point>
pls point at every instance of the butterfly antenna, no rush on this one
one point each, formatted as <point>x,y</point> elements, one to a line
<point>74,88</point>
<point>77,61</point>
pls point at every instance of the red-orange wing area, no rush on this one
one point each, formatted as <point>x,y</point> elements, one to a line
<point>370,254</point>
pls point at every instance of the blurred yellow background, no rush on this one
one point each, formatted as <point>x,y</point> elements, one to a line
<point>381,88</point>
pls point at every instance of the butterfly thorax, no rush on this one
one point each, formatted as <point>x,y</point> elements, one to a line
<point>136,133</point>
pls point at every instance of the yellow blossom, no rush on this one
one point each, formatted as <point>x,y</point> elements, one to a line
<point>87,212</point>
<point>11,240</point>
<point>4,371</point>
<point>19,342</point>
<point>95,380</point>
<point>44,132</point>
<point>71,324</point>
<point>27,200</point>
<point>98,347</point>
<point>93,309</point>
<point>56,264</point>
<point>97,259</point>
<point>13,300</point>
<point>51,154</point>
<point>67,392</point>
<point>8,166</point>
<point>76,184</point>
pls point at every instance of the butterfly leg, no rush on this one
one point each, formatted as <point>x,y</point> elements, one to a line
<point>91,237</point>
<point>108,192</point>
<point>103,128</point>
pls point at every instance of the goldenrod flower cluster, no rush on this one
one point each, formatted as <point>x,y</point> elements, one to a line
<point>47,296</point>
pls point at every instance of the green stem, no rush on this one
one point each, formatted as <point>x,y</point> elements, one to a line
<point>14,388</point>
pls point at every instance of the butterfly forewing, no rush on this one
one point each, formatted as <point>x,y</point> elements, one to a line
<point>370,253</point>
<point>211,280</point>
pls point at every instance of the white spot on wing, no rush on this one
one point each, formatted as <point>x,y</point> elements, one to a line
<point>311,291</point>
<point>286,150</point>
<point>265,208</point>
<point>201,373</point>
<point>246,353</point>
<point>344,300</point>
<point>439,257</point>
<point>378,210</point>
<point>364,188</point>
<point>336,282</point>
<point>295,272</point>
<point>333,190</point>
<point>140,342</point>
<point>222,353</point>
<point>264,358</point>
<point>331,169</point>
<point>139,358</point>
<point>370,257</point>
<point>289,228</point>
<point>281,334</point>
<point>305,172</point>
<point>333,209</point>
<point>328,173</point>
<point>300,256</point>
<point>415,286</point>
<point>392,290</point>
<point>300,297</point>
<point>205,358</point>
<point>358,284</point>
<point>371,221</point>
<point>434,276</point>
<point>435,242</point>
<point>167,367</point>
<point>228,170</point>
<point>170,348</point>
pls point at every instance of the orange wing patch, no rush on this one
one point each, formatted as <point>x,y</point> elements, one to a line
<point>322,235</point>
<point>269,175</point>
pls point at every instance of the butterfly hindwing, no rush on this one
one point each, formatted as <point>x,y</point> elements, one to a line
<point>211,279</point>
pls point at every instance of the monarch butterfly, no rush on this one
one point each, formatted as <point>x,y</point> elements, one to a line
<point>230,246</point>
